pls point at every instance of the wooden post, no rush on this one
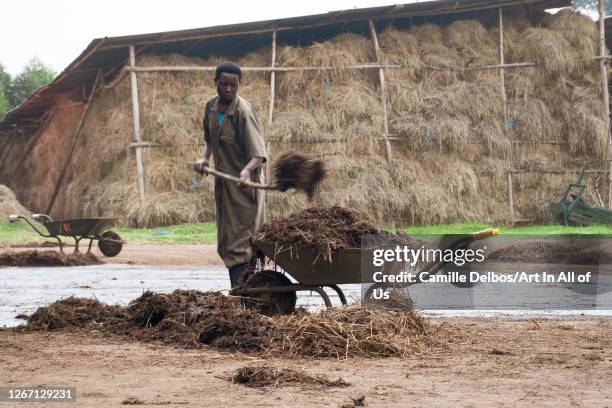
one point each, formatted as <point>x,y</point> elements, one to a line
<point>604,91</point>
<point>502,85</point>
<point>268,168</point>
<point>136,118</point>
<point>272,79</point>
<point>383,92</point>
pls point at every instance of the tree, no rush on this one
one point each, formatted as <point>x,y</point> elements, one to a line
<point>3,103</point>
<point>33,76</point>
<point>5,81</point>
<point>5,78</point>
<point>592,6</point>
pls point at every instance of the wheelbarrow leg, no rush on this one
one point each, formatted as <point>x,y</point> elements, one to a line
<point>371,289</point>
<point>60,243</point>
<point>76,244</point>
<point>91,240</point>
<point>324,295</point>
<point>339,292</point>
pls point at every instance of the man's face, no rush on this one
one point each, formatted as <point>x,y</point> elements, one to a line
<point>227,86</point>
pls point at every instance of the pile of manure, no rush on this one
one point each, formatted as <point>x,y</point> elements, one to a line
<point>269,376</point>
<point>192,319</point>
<point>47,258</point>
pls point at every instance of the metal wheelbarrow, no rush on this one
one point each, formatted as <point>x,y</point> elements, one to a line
<point>274,293</point>
<point>94,229</point>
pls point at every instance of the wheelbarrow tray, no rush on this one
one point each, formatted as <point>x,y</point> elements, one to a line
<point>82,227</point>
<point>309,269</point>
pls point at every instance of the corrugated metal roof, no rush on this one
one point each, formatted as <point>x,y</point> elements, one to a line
<point>111,52</point>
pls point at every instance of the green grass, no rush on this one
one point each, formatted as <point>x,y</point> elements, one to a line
<point>206,233</point>
<point>201,233</point>
<point>18,233</point>
<point>525,230</point>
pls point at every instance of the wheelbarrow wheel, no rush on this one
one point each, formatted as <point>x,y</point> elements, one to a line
<point>270,304</point>
<point>110,244</point>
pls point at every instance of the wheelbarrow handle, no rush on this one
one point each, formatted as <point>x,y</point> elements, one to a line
<point>14,218</point>
<point>39,217</point>
<point>434,267</point>
<point>489,232</point>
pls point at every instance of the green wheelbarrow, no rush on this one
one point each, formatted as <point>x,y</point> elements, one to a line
<point>94,229</point>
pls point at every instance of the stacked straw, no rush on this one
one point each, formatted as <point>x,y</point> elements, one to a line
<point>453,151</point>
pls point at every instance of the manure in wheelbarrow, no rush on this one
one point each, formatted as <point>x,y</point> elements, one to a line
<point>47,258</point>
<point>193,319</point>
<point>327,229</point>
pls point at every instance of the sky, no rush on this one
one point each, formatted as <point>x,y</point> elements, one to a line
<point>57,31</point>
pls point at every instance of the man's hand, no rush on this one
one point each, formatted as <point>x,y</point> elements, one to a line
<point>199,165</point>
<point>245,175</point>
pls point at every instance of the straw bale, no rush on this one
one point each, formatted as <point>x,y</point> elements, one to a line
<point>336,115</point>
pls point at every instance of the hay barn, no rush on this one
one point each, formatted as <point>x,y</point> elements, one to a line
<point>431,112</point>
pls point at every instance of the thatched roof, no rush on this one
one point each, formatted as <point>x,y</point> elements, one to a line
<point>110,53</point>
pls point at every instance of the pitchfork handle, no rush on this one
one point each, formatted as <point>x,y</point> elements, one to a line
<point>237,180</point>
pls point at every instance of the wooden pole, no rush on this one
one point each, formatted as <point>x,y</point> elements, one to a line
<point>136,118</point>
<point>383,92</point>
<point>191,68</point>
<point>268,168</point>
<point>555,171</point>
<point>187,68</point>
<point>502,86</point>
<point>272,79</point>
<point>502,83</point>
<point>604,92</point>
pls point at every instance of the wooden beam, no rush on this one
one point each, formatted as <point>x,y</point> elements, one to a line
<point>604,92</point>
<point>136,136</point>
<point>501,65</point>
<point>383,91</point>
<point>264,69</point>
<point>145,144</point>
<point>170,68</point>
<point>77,134</point>
<point>313,68</point>
<point>554,171</point>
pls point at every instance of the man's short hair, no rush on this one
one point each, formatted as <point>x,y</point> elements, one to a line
<point>229,68</point>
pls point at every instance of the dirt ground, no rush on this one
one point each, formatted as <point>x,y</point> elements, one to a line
<point>154,254</point>
<point>491,362</point>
